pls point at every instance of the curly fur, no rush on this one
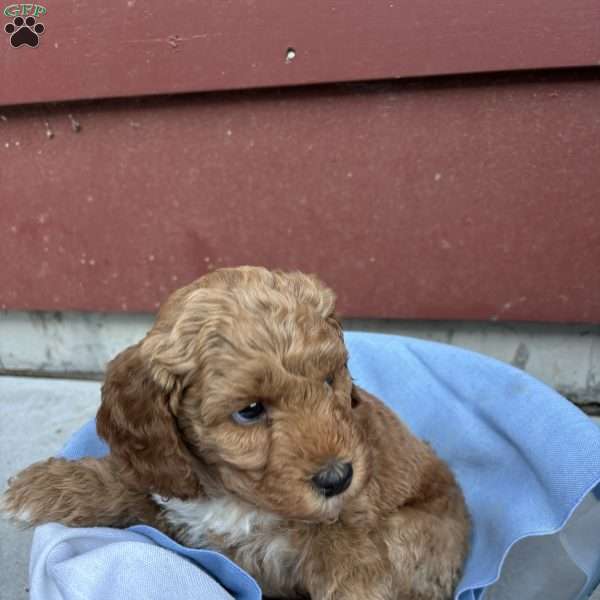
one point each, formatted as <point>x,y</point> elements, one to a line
<point>179,462</point>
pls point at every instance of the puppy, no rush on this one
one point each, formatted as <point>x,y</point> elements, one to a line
<point>234,425</point>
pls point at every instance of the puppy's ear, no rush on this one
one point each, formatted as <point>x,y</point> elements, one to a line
<point>136,418</point>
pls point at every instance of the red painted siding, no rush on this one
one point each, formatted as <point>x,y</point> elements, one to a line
<point>467,198</point>
<point>140,47</point>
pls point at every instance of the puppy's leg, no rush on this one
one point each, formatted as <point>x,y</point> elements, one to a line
<point>87,492</point>
<point>374,579</point>
<point>411,556</point>
<point>427,550</point>
<point>348,566</point>
<point>359,585</point>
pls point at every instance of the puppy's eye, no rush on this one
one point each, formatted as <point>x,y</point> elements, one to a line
<point>329,380</point>
<point>253,413</point>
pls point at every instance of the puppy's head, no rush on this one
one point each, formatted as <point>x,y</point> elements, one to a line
<point>242,388</point>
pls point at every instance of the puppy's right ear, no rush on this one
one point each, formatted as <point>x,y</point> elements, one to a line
<point>137,418</point>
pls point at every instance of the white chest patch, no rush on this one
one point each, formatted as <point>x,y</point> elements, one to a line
<point>226,517</point>
<point>251,537</point>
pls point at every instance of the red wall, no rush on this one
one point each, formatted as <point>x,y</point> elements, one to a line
<point>140,47</point>
<point>444,198</point>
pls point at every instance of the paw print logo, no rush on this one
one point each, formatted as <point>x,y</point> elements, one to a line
<point>24,32</point>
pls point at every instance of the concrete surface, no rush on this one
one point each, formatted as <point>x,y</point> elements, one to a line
<point>36,417</point>
<point>55,342</point>
<point>566,357</point>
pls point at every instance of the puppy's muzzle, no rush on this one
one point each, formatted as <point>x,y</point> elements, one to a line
<point>333,479</point>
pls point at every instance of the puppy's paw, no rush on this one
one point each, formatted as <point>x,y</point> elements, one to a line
<point>12,509</point>
<point>31,495</point>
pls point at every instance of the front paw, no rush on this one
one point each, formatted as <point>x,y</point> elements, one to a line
<point>31,495</point>
<point>14,507</point>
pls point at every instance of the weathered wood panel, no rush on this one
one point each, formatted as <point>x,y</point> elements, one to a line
<point>135,47</point>
<point>473,198</point>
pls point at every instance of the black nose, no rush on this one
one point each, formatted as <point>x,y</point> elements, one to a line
<point>333,479</point>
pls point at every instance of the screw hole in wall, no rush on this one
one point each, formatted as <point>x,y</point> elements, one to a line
<point>290,55</point>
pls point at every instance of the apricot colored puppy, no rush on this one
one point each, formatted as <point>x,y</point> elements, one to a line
<point>234,424</point>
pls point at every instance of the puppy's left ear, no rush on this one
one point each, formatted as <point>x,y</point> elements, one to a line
<point>137,419</point>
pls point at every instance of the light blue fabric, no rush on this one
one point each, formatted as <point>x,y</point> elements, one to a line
<point>107,564</point>
<point>524,456</point>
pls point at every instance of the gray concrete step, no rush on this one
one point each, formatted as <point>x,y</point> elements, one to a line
<point>566,357</point>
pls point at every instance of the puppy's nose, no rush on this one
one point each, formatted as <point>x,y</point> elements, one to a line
<point>333,479</point>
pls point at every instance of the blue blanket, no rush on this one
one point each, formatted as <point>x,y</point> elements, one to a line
<point>525,457</point>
